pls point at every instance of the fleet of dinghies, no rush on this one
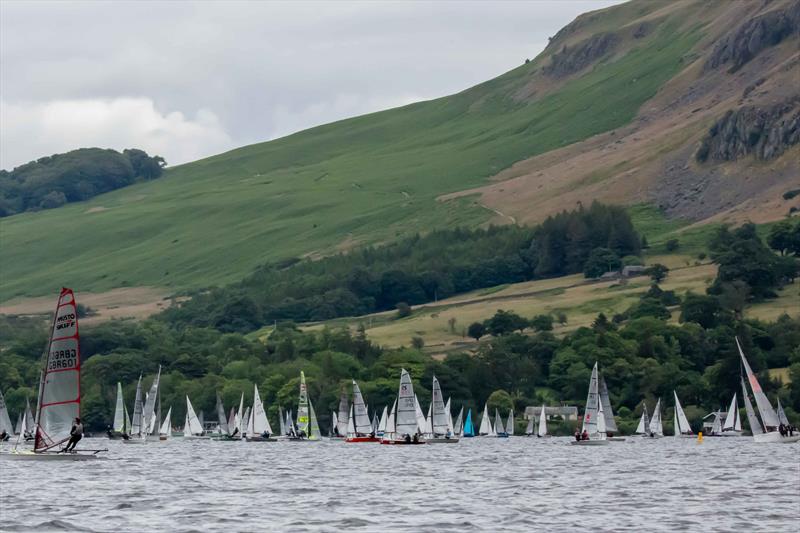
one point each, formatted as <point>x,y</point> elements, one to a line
<point>402,423</point>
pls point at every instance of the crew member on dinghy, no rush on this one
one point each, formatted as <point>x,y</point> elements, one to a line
<point>75,435</point>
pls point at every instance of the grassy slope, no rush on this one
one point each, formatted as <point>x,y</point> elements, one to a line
<point>366,179</point>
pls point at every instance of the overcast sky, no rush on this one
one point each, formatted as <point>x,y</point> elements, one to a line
<point>188,80</point>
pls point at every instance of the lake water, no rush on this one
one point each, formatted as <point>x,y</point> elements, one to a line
<point>488,484</point>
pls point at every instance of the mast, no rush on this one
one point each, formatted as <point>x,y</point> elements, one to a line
<point>592,405</point>
<point>768,415</point>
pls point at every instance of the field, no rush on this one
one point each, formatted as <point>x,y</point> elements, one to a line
<point>367,179</point>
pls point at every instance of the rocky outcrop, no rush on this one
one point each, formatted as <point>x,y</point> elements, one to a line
<point>765,132</point>
<point>570,60</point>
<point>755,35</point>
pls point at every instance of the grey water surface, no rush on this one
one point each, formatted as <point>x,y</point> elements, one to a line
<point>480,484</point>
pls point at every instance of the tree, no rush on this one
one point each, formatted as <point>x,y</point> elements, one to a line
<point>504,322</point>
<point>600,261</point>
<point>601,323</point>
<point>561,317</point>
<point>704,310</point>
<point>451,324</point>
<point>500,400</point>
<point>417,342</point>
<point>476,330</point>
<point>784,237</point>
<point>403,310</point>
<point>672,245</point>
<point>657,272</point>
<point>542,323</point>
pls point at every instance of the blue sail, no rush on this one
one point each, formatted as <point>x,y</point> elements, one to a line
<point>469,429</point>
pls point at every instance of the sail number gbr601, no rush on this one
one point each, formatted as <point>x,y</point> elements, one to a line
<point>62,359</point>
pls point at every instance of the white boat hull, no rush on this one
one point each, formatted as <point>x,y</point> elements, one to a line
<point>197,437</point>
<point>774,436</point>
<point>597,442</point>
<point>28,455</point>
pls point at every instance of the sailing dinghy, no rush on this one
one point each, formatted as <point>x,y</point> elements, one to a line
<point>656,428</point>
<point>458,426</point>
<point>307,427</point>
<point>258,428</point>
<point>359,426</point>
<point>529,429</point>
<point>383,422</point>
<point>403,425</point>
<point>192,428</point>
<point>594,421</point>
<point>499,429</point>
<point>6,428</point>
<point>440,424</point>
<point>121,426</point>
<point>469,427</point>
<point>486,429</point>
<point>541,431</point>
<point>733,422</point>
<point>644,422</point>
<point>165,432</point>
<point>59,401</point>
<point>767,428</point>
<point>681,424</point>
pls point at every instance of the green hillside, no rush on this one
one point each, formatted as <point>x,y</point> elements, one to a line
<point>367,179</point>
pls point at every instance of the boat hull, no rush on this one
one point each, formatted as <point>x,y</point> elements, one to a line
<point>616,439</point>
<point>589,442</point>
<point>774,436</point>
<point>261,439</point>
<point>402,442</point>
<point>197,437</point>
<point>135,441</point>
<point>28,455</point>
<point>442,440</point>
<point>362,439</point>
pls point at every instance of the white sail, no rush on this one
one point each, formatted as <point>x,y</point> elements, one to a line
<point>187,430</point>
<point>510,423</point>
<point>166,426</point>
<point>127,421</point>
<point>592,405</point>
<point>449,414</point>
<point>384,420</point>
<point>344,413</point>
<point>498,424</point>
<point>611,424</point>
<point>486,426</point>
<point>755,425</point>
<point>529,429</point>
<point>601,421</point>
<point>195,427</point>
<point>438,418</point>
<point>119,411</point>
<point>458,426</point>
<point>313,424</point>
<point>221,418</point>
<point>59,388</point>
<point>644,422</point>
<point>260,421</point>
<point>391,426</point>
<point>407,420</point>
<point>150,405</point>
<point>683,423</point>
<point>351,422</point>
<point>20,425</point>
<point>732,417</point>
<point>334,423</point>
<point>422,422</point>
<point>282,421</point>
<point>656,426</point>
<point>542,431</point>
<point>239,419</point>
<point>5,419</point>
<point>30,423</point>
<point>246,420</point>
<point>768,415</point>
<point>716,428</point>
<point>363,425</point>
<point>136,424</point>
<point>375,422</point>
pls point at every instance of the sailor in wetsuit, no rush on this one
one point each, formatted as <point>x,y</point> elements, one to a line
<point>75,434</point>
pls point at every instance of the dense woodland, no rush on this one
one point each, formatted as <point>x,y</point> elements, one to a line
<point>416,270</point>
<point>75,176</point>
<point>520,361</point>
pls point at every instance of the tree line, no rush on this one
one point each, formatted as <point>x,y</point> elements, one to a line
<point>416,270</point>
<point>74,176</point>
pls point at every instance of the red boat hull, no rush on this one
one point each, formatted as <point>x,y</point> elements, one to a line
<point>362,439</point>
